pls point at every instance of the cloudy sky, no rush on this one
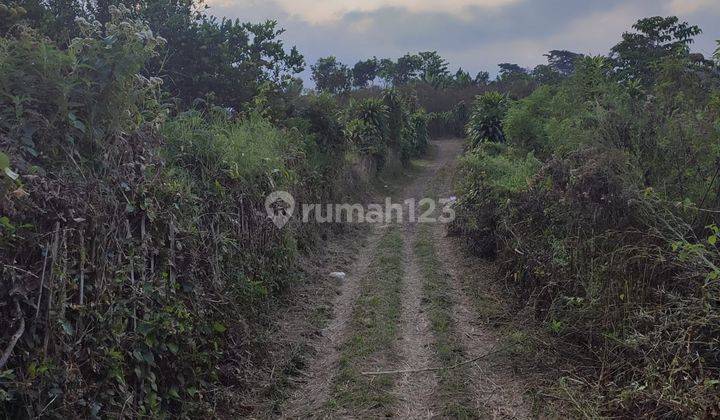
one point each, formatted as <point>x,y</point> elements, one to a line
<point>472,34</point>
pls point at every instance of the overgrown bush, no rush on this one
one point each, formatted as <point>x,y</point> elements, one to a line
<point>387,128</point>
<point>614,269</point>
<point>138,264</point>
<point>611,238</point>
<point>487,176</point>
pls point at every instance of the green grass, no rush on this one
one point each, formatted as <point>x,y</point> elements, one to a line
<point>504,172</point>
<point>374,331</point>
<point>215,146</point>
<point>453,393</point>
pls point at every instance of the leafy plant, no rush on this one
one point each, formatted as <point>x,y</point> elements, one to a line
<point>486,118</point>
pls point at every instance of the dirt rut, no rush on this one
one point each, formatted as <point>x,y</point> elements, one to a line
<point>314,387</point>
<point>495,392</point>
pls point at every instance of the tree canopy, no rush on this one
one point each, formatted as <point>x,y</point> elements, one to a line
<point>331,76</point>
<point>655,38</point>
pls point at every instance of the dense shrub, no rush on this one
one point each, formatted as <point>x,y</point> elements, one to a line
<point>137,260</point>
<point>616,270</point>
<point>611,238</point>
<point>387,128</point>
<point>418,133</point>
<point>487,175</point>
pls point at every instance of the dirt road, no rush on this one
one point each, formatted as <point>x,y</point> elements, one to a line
<point>404,339</point>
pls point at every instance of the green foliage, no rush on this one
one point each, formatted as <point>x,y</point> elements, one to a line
<point>73,96</point>
<point>213,149</point>
<point>563,61</point>
<point>656,38</point>
<point>433,68</point>
<point>482,78</point>
<point>331,76</point>
<point>611,237</point>
<point>396,117</point>
<point>419,132</point>
<point>148,226</point>
<point>383,126</point>
<point>368,129</point>
<point>10,14</point>
<point>498,167</point>
<point>488,175</point>
<point>450,123</point>
<point>486,118</point>
<point>364,72</point>
<point>205,58</point>
<point>510,70</point>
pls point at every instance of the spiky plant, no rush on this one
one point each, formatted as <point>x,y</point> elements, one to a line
<point>372,111</point>
<point>396,118</point>
<point>486,118</point>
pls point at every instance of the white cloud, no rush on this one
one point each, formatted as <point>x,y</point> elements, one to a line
<point>686,7</point>
<point>325,11</point>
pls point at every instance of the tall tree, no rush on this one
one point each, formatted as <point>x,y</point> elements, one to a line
<point>462,78</point>
<point>432,66</point>
<point>482,78</point>
<point>546,74</point>
<point>331,76</point>
<point>224,59</point>
<point>407,68</point>
<point>563,61</point>
<point>510,71</point>
<point>386,70</point>
<point>655,38</point>
<point>364,72</point>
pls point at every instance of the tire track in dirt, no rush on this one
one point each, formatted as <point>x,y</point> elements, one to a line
<point>497,392</point>
<point>314,390</point>
<point>416,391</point>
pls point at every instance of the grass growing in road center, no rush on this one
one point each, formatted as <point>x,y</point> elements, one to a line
<point>453,395</point>
<point>374,331</point>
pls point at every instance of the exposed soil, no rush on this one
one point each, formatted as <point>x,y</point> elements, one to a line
<point>415,391</point>
<point>496,391</point>
<point>313,387</point>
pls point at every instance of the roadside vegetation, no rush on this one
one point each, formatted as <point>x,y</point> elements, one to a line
<point>140,273</point>
<point>138,265</point>
<point>598,197</point>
